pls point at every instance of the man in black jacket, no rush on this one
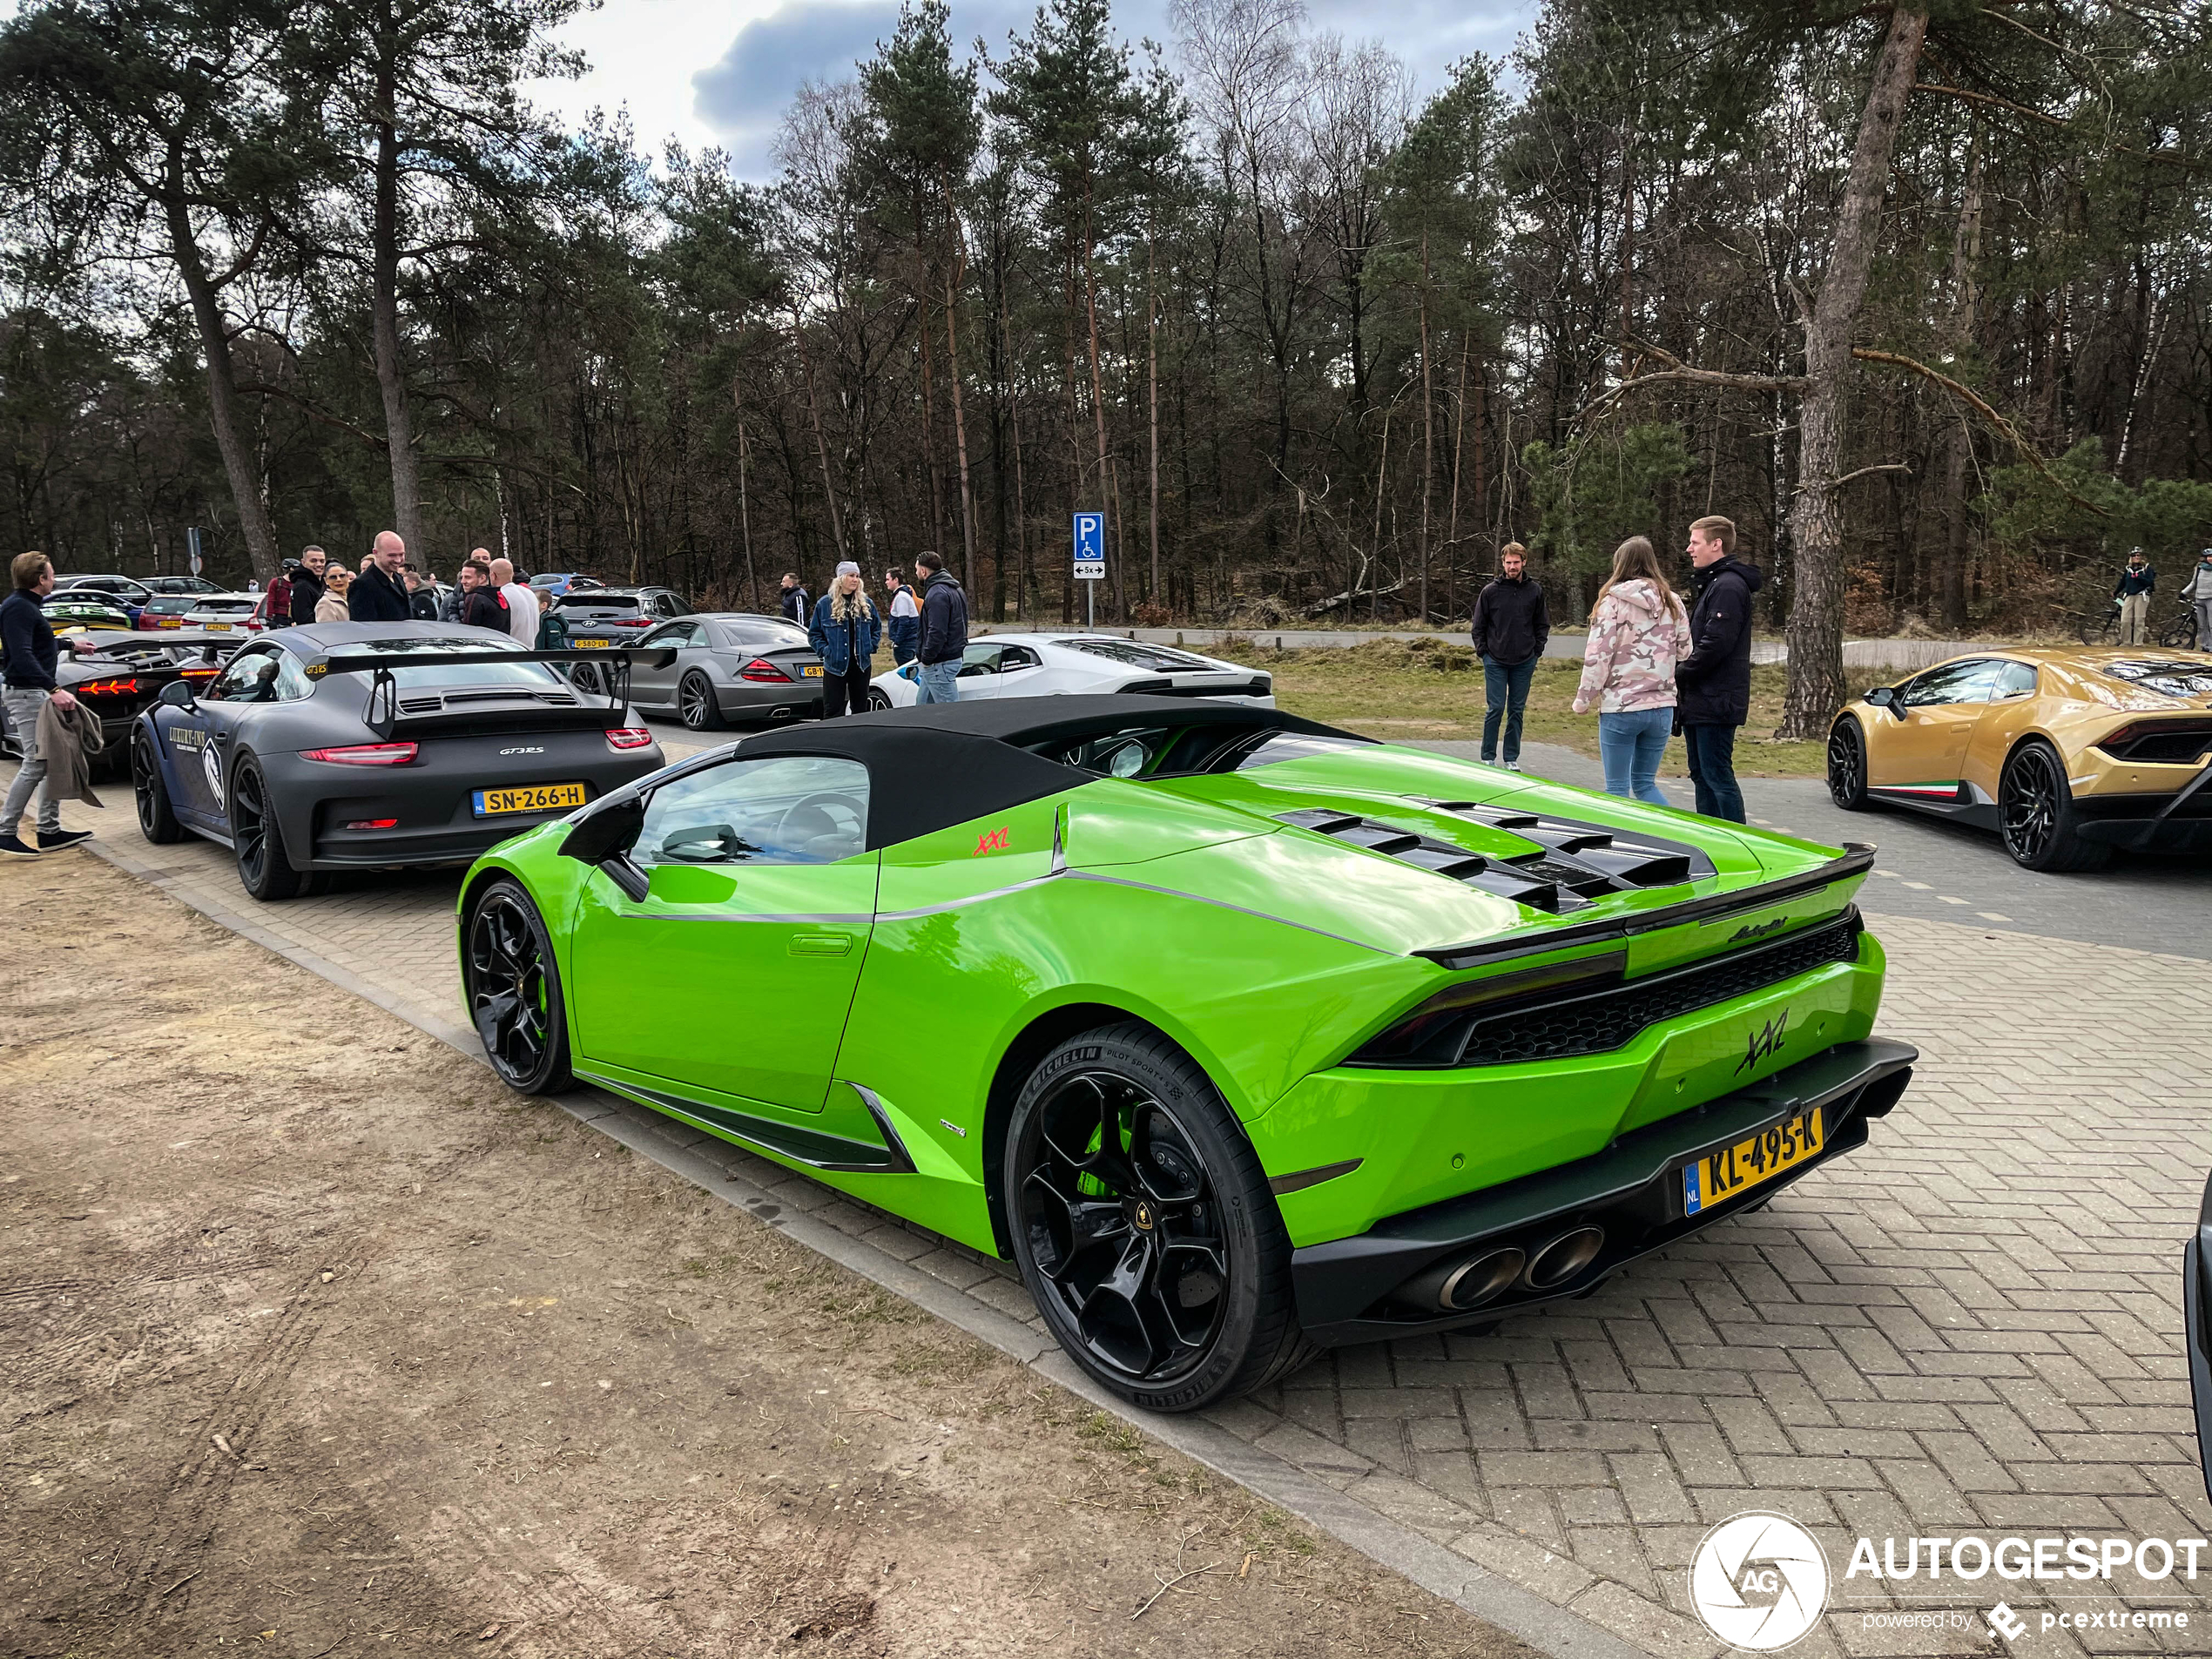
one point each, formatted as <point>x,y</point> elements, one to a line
<point>797,604</point>
<point>377,595</point>
<point>1511,624</point>
<point>1713,683</point>
<point>944,630</point>
<point>307,585</point>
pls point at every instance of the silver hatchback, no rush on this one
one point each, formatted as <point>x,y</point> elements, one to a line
<point>728,665</point>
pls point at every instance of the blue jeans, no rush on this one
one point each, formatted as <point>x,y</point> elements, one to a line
<point>1712,768</point>
<point>939,683</point>
<point>1631,745</point>
<point>1504,692</point>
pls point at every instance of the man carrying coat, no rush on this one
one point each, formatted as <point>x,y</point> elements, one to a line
<point>1713,683</point>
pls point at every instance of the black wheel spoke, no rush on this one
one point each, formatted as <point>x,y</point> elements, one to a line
<point>510,989</point>
<point>1118,1218</point>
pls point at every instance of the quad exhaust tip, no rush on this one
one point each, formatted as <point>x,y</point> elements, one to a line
<point>1455,1287</point>
<point>1562,1258</point>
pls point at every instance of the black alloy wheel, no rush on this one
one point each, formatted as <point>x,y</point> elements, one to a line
<point>1847,766</point>
<point>514,991</point>
<point>696,703</point>
<point>257,840</point>
<point>157,821</point>
<point>1143,1226</point>
<point>2035,812</point>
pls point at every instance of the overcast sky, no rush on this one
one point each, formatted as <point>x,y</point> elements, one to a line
<point>721,71</point>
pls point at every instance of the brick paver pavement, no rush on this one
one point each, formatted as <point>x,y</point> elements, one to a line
<point>1969,1328</point>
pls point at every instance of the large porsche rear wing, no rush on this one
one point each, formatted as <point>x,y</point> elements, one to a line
<point>432,711</point>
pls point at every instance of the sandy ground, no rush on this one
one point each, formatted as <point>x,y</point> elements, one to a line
<point>314,1340</point>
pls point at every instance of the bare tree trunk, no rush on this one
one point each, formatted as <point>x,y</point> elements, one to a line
<point>1429,428</point>
<point>1459,453</point>
<point>1815,530</point>
<point>1152,373</point>
<point>953,276</point>
<point>1098,395</point>
<point>1950,573</point>
<point>222,379</point>
<point>821,443</point>
<point>384,300</point>
<point>1374,561</point>
<point>745,514</point>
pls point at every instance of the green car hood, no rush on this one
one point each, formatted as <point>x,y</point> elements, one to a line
<point>1223,837</point>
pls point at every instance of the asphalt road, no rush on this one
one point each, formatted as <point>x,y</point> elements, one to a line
<point>1948,873</point>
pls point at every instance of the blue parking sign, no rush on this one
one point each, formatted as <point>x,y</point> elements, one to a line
<point>1090,547</point>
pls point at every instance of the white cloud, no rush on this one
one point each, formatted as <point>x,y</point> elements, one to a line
<point>721,71</point>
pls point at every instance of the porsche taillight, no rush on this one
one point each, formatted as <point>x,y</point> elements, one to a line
<point>628,737</point>
<point>364,754</point>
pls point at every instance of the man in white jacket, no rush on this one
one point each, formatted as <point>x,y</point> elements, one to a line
<point>522,602</point>
<point>2198,591</point>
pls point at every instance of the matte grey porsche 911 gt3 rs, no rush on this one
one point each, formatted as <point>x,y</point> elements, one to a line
<point>349,745</point>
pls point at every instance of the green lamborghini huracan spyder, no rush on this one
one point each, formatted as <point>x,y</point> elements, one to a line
<point>1241,1035</point>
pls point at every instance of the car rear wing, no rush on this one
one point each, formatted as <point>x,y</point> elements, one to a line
<point>610,678</point>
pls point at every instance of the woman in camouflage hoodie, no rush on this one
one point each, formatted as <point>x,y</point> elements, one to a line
<point>1638,629</point>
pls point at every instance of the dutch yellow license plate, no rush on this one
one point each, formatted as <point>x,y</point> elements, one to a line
<point>591,644</point>
<point>530,798</point>
<point>218,627</point>
<point>1720,1175</point>
<point>814,673</point>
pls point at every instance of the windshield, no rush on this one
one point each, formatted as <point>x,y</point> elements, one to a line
<point>164,604</point>
<point>761,630</point>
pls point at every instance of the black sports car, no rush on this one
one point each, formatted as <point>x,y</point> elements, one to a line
<point>348,745</point>
<point>120,674</point>
<point>2196,1319</point>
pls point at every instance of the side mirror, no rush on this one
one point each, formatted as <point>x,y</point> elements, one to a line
<point>177,694</point>
<point>606,833</point>
<point>1884,696</point>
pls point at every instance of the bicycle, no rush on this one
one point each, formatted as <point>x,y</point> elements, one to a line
<point>2180,633</point>
<point>2101,630</point>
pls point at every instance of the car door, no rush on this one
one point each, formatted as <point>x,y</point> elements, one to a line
<point>1923,750</point>
<point>201,737</point>
<point>654,687</point>
<point>980,675</point>
<point>2009,712</point>
<point>734,973</point>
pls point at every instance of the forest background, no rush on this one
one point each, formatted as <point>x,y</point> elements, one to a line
<point>1918,296</point>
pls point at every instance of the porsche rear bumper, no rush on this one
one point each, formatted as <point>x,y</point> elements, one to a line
<point>1632,1190</point>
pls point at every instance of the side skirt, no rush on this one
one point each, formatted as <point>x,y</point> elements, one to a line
<point>809,1147</point>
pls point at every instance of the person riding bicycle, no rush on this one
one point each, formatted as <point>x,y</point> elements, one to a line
<point>2132,591</point>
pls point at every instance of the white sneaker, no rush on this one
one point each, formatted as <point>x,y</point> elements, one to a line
<point>1513,765</point>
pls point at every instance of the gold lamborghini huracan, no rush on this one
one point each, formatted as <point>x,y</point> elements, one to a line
<point>2065,754</point>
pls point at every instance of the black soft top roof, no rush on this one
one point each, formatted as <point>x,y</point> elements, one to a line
<point>942,764</point>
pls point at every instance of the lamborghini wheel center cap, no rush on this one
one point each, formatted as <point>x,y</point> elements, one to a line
<point>1141,1216</point>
